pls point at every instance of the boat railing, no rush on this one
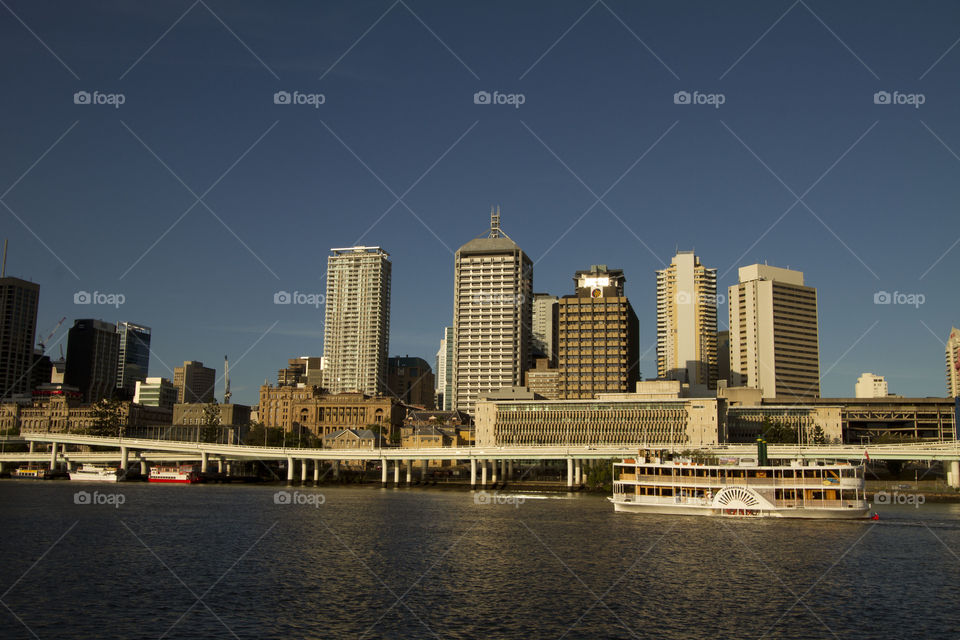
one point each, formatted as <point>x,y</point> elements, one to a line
<point>825,483</point>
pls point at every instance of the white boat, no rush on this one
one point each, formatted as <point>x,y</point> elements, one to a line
<point>739,486</point>
<point>183,474</point>
<point>93,473</point>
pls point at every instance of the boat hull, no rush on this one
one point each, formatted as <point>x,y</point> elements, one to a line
<point>175,480</point>
<point>709,510</point>
<point>94,477</point>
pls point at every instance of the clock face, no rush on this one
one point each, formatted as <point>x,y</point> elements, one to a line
<point>596,292</point>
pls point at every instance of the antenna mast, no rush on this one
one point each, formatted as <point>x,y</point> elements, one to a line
<point>226,380</point>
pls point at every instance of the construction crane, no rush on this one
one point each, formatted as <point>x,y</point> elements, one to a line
<point>43,343</point>
<point>226,380</point>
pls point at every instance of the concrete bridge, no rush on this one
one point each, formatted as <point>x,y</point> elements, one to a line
<point>487,464</point>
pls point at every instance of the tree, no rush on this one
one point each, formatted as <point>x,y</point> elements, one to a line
<point>818,436</point>
<point>777,432</point>
<point>260,435</point>
<point>107,418</point>
<point>210,423</point>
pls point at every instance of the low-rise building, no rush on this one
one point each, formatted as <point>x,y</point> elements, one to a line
<point>293,407</point>
<point>155,392</point>
<point>351,439</point>
<point>67,414</point>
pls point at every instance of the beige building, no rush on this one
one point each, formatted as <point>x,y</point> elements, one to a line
<point>870,386</point>
<point>746,423</point>
<point>305,369</point>
<point>356,332</point>
<point>615,420</point>
<point>545,326</point>
<point>543,379</point>
<point>194,382</point>
<point>953,363</point>
<point>597,336</point>
<point>156,392</point>
<point>774,340</point>
<point>66,414</point>
<point>687,322</point>
<point>492,315</point>
<point>290,407</point>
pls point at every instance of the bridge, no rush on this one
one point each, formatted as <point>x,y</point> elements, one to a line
<point>498,461</point>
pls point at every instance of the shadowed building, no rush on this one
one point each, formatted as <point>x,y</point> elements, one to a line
<point>411,380</point>
<point>133,361</point>
<point>18,328</point>
<point>194,382</point>
<point>93,348</point>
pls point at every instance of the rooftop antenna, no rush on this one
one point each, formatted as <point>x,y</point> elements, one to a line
<point>495,222</point>
<point>3,269</point>
<point>226,380</point>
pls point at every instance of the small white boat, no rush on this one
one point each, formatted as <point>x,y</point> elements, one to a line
<point>184,474</point>
<point>93,473</point>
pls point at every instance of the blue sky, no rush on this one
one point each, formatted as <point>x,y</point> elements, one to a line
<point>798,167</point>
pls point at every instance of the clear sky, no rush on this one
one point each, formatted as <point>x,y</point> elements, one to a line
<point>198,198</point>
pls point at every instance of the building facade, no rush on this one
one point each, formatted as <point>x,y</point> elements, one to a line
<point>19,300</point>
<point>492,315</point>
<point>953,363</point>
<point>871,386</point>
<point>597,336</point>
<point>774,339</point>
<point>305,369</point>
<point>133,361</point>
<point>93,348</point>
<point>444,372</point>
<point>293,407</point>
<point>155,392</point>
<point>356,332</point>
<point>411,381</point>
<point>545,326</point>
<point>194,382</point>
<point>68,414</point>
<point>687,322</point>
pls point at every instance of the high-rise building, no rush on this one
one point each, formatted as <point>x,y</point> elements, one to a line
<point>18,327</point>
<point>194,382</point>
<point>723,355</point>
<point>155,392</point>
<point>134,359</point>
<point>774,340</point>
<point>303,370</point>
<point>357,330</point>
<point>492,313</point>
<point>411,381</point>
<point>93,349</point>
<point>444,371</point>
<point>687,322</point>
<point>545,326</point>
<point>953,363</point>
<point>870,386</point>
<point>597,336</point>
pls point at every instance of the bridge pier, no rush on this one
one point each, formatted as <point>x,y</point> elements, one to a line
<point>483,474</point>
<point>124,458</point>
<point>289,470</point>
<point>204,461</point>
<point>220,465</point>
<point>509,470</point>
<point>424,465</point>
<point>335,465</point>
<point>303,471</point>
<point>396,473</point>
<point>409,466</point>
<point>143,467</point>
<point>473,473</point>
<point>493,470</point>
<point>316,472</point>
<point>383,472</point>
<point>578,473</point>
<point>954,474</point>
<point>569,473</point>
<point>53,456</point>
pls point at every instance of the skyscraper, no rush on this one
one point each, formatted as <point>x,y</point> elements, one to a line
<point>194,382</point>
<point>492,313</point>
<point>597,336</point>
<point>774,341</point>
<point>545,326</point>
<point>18,327</point>
<point>410,380</point>
<point>687,322</point>
<point>357,330</point>
<point>444,368</point>
<point>134,359</point>
<point>93,348</point>
<point>953,363</point>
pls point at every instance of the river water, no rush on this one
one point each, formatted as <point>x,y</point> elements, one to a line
<point>216,561</point>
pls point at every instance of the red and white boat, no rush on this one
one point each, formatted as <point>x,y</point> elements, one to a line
<point>183,474</point>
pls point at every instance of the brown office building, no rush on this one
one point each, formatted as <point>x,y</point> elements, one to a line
<point>597,336</point>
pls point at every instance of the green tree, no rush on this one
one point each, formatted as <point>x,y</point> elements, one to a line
<point>818,436</point>
<point>210,423</point>
<point>107,418</point>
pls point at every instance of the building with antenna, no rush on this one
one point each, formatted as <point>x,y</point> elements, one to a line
<point>492,315</point>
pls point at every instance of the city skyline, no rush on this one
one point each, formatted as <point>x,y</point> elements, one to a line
<point>800,166</point>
